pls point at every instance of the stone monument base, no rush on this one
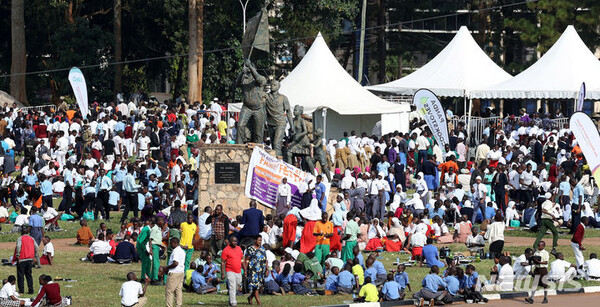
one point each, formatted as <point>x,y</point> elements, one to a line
<point>218,179</point>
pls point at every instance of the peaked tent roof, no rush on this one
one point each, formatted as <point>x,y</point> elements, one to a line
<point>319,81</point>
<point>459,68</point>
<point>558,74</point>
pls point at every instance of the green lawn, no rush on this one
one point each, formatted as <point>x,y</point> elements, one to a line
<point>99,284</point>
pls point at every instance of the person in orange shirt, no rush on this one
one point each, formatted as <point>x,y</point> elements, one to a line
<point>323,231</point>
<point>84,234</point>
<point>71,114</point>
<point>444,167</point>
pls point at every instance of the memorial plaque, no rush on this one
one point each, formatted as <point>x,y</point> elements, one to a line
<point>227,173</point>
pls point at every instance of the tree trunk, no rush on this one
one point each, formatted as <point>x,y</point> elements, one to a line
<point>199,46</point>
<point>192,58</point>
<point>381,40</point>
<point>18,65</point>
<point>118,44</point>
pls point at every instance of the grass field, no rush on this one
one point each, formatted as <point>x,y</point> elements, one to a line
<point>99,284</point>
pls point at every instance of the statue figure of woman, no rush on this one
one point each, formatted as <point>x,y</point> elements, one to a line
<point>300,144</point>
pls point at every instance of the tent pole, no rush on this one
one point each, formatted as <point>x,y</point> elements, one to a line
<point>469,119</point>
<point>465,104</point>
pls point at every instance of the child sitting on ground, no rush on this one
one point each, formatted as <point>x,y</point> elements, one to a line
<point>401,277</point>
<point>358,272</point>
<point>300,281</point>
<point>84,234</point>
<point>284,279</point>
<point>331,283</point>
<point>187,281</point>
<point>472,287</point>
<point>199,283</point>
<point>347,280</point>
<point>391,290</point>
<point>271,285</point>
<point>368,292</point>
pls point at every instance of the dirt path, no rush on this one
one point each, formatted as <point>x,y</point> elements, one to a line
<point>590,299</point>
<point>65,245</point>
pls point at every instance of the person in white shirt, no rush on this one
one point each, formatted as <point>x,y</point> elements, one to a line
<point>592,267</point>
<point>506,276</point>
<point>48,253</point>
<point>143,145</point>
<point>9,294</point>
<point>522,267</point>
<point>175,270</point>
<point>176,172</point>
<point>99,250</point>
<point>417,241</point>
<point>132,293</point>
<point>557,269</point>
<point>205,231</point>
<point>495,235</point>
<point>4,214</point>
<point>284,197</point>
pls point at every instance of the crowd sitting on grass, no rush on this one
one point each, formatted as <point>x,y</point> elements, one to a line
<point>399,192</point>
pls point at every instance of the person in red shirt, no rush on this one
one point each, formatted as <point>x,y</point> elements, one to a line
<point>577,244</point>
<point>231,260</point>
<point>50,292</point>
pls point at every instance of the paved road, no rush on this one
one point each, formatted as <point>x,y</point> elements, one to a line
<point>590,299</point>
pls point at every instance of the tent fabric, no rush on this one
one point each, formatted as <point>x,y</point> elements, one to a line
<point>319,81</point>
<point>458,69</point>
<point>558,74</point>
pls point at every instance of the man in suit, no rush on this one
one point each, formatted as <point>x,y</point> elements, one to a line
<point>253,221</point>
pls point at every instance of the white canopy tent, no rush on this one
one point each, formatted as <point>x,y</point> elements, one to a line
<point>320,83</point>
<point>558,74</point>
<point>459,68</point>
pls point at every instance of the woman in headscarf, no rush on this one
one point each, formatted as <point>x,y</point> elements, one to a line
<point>347,181</point>
<point>374,236</point>
<point>395,236</point>
<point>337,218</point>
<point>311,215</point>
<point>441,231</point>
<point>463,230</point>
<point>353,154</point>
<point>511,213</point>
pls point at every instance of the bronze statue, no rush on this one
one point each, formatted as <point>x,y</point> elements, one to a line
<point>319,155</point>
<point>278,107</point>
<point>253,108</point>
<point>299,144</point>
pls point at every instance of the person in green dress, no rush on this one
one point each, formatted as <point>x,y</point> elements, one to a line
<point>141,242</point>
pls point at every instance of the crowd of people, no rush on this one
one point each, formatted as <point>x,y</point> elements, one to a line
<point>143,158</point>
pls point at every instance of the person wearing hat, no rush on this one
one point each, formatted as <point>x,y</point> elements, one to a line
<point>479,191</point>
<point>547,219</point>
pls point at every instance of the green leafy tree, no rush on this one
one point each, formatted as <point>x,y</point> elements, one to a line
<point>82,43</point>
<point>547,19</point>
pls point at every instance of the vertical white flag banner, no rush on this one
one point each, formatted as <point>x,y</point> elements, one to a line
<point>588,139</point>
<point>580,98</point>
<point>430,108</point>
<point>80,89</point>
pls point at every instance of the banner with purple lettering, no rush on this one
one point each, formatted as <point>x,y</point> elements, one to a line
<point>265,173</point>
